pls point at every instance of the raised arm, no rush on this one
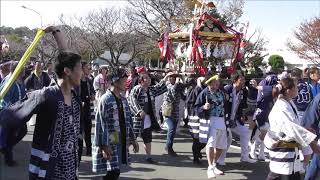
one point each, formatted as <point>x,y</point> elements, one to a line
<point>59,37</point>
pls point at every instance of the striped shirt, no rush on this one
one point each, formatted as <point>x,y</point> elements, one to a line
<point>138,99</point>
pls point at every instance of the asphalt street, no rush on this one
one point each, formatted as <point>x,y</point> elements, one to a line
<point>167,168</point>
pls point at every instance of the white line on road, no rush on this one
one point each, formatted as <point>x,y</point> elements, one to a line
<point>235,147</point>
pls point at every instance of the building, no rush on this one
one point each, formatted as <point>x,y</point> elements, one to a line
<point>291,59</point>
<point>123,59</point>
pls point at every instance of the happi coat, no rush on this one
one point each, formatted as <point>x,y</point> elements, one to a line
<point>137,101</point>
<point>107,124</point>
<point>285,125</point>
<point>48,104</point>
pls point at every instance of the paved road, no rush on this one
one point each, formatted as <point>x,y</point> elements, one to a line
<point>180,168</point>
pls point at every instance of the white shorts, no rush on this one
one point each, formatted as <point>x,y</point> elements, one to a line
<point>217,138</point>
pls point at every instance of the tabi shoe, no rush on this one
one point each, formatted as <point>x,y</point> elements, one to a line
<point>197,162</point>
<point>150,161</point>
<point>171,153</point>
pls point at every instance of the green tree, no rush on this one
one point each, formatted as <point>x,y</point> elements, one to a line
<point>276,62</point>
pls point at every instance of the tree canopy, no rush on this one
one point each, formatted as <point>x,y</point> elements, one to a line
<point>307,40</point>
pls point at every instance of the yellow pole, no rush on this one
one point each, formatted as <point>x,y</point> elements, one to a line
<point>22,62</point>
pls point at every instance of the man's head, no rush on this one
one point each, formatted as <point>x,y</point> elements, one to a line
<point>210,4</point>
<point>213,83</point>
<point>144,80</point>
<point>85,68</point>
<point>38,66</point>
<point>306,73</point>
<point>314,74</point>
<point>67,66</point>
<point>296,73</point>
<point>103,69</point>
<point>5,67</point>
<point>172,78</point>
<point>238,80</point>
<point>118,78</point>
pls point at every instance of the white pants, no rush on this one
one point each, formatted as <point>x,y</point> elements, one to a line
<point>244,134</point>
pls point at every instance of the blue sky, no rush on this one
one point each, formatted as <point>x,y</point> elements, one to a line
<point>278,19</point>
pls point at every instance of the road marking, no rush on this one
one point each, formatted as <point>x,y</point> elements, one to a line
<point>235,147</point>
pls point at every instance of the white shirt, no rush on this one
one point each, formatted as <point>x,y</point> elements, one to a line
<point>282,118</point>
<point>147,122</point>
<point>235,103</point>
<point>100,85</point>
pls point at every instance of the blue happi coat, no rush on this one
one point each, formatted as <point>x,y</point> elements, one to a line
<point>107,125</point>
<point>311,119</point>
<point>194,121</point>
<point>304,96</point>
<point>15,93</point>
<point>242,108</point>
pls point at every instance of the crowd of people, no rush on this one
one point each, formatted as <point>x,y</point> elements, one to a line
<point>280,114</point>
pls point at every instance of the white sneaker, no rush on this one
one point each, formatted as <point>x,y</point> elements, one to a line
<point>253,155</point>
<point>248,160</point>
<point>217,171</point>
<point>210,173</point>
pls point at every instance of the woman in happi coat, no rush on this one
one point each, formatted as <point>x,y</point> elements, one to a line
<point>285,136</point>
<point>113,132</point>
<point>142,105</point>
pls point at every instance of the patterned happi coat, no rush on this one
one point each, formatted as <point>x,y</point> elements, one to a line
<point>204,115</point>
<point>137,99</point>
<point>107,123</point>
<point>242,108</point>
<point>48,104</point>
<point>173,96</point>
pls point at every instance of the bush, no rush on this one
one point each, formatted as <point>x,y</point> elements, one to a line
<point>276,62</point>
